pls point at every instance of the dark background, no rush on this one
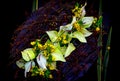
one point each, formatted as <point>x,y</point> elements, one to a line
<point>15,13</point>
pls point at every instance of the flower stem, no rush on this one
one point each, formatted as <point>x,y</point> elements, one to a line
<point>35,5</point>
<point>99,60</point>
<point>106,56</point>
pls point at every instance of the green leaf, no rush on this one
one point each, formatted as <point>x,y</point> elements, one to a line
<point>58,56</point>
<point>77,4</point>
<point>69,49</point>
<point>47,73</point>
<point>79,36</point>
<point>28,54</point>
<point>99,21</point>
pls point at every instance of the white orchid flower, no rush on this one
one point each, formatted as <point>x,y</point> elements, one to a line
<point>80,34</point>
<point>41,60</point>
<point>28,66</point>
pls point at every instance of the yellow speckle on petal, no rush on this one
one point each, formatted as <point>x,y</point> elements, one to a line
<point>95,20</point>
<point>64,41</point>
<point>45,53</point>
<point>41,73</point>
<point>97,29</point>
<point>52,50</point>
<point>59,38</point>
<point>108,47</point>
<point>77,26</point>
<point>51,67</point>
<point>32,43</point>
<point>50,76</point>
<point>40,46</point>
<point>53,58</point>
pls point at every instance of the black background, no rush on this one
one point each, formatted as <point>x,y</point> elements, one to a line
<point>13,13</point>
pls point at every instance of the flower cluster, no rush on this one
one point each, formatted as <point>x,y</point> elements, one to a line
<point>41,58</point>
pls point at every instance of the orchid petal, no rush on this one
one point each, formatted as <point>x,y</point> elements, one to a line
<point>87,21</point>
<point>21,63</point>
<point>83,13</point>
<point>69,49</point>
<point>83,10</point>
<point>79,36</point>
<point>28,66</point>
<point>85,32</point>
<point>66,27</point>
<point>73,20</point>
<point>28,54</point>
<point>58,56</point>
<point>63,49</point>
<point>52,35</point>
<point>41,60</point>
